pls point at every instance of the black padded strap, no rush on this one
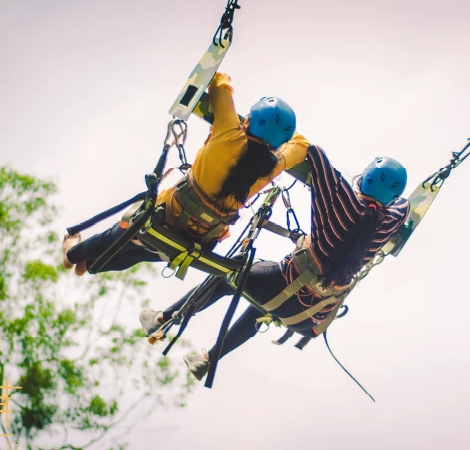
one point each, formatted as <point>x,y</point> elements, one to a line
<point>122,240</point>
<point>105,214</point>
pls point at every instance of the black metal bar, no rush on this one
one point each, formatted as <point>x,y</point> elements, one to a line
<point>227,319</point>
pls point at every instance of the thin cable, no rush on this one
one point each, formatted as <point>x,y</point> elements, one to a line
<point>334,357</point>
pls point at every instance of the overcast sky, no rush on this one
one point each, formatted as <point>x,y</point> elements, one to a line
<point>85,89</point>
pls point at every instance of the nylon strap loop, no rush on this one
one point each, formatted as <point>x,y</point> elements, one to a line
<point>303,279</point>
<point>184,260</point>
<point>309,312</point>
<point>322,326</point>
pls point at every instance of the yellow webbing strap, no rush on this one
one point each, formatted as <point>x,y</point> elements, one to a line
<point>184,260</point>
<point>164,239</point>
<point>185,253</point>
<point>268,319</point>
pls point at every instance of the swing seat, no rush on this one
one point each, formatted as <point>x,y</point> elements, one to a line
<point>183,252</point>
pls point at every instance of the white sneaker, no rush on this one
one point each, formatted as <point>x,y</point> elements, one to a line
<point>198,365</point>
<point>149,321</point>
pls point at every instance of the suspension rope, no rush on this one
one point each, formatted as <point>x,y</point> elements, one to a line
<point>438,178</point>
<point>225,30</point>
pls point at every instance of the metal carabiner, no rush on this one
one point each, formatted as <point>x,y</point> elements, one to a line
<point>286,198</point>
<point>173,132</point>
<point>181,134</point>
<point>169,130</point>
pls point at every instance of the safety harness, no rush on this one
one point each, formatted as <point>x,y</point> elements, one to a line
<point>310,276</point>
<point>198,208</point>
<point>182,251</point>
<point>176,243</point>
<point>310,273</point>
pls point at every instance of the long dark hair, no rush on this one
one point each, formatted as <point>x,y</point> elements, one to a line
<point>257,162</point>
<point>347,258</point>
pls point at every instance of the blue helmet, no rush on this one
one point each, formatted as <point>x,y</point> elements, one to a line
<point>272,120</point>
<point>384,179</point>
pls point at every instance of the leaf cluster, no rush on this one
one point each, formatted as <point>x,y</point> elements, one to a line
<point>82,369</point>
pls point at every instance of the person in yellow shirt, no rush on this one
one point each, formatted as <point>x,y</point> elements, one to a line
<point>234,164</point>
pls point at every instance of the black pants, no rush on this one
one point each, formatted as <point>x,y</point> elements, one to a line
<point>94,246</point>
<point>264,282</point>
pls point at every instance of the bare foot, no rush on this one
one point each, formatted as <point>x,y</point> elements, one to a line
<point>67,244</point>
<point>81,268</point>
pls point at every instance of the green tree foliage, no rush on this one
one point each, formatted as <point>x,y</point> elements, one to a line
<point>83,372</point>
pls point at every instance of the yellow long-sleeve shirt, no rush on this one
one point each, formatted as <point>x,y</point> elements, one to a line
<point>224,147</point>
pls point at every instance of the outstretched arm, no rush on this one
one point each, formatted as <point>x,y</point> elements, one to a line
<point>294,151</point>
<point>290,154</point>
<point>223,107</point>
<point>334,206</point>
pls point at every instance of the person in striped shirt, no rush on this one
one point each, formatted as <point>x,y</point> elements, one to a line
<point>349,225</point>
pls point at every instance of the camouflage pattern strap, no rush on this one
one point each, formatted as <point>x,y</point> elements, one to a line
<point>199,80</point>
<point>420,201</point>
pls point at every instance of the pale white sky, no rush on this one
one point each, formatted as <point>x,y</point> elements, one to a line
<point>85,89</point>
